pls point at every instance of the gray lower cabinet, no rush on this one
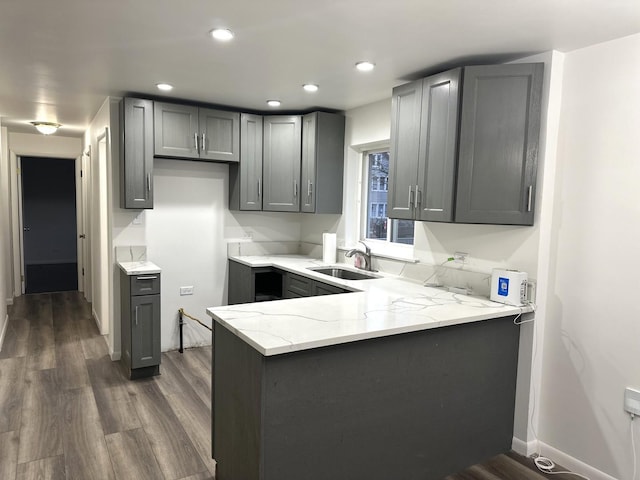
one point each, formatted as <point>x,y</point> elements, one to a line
<point>190,132</point>
<point>499,130</point>
<point>136,159</point>
<point>281,163</point>
<point>245,177</point>
<point>140,324</point>
<point>322,162</point>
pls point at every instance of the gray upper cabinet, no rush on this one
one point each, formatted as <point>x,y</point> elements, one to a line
<point>136,169</point>
<point>424,128</point>
<point>281,163</point>
<point>184,131</point>
<point>245,177</point>
<point>322,162</point>
<point>219,135</point>
<point>500,124</point>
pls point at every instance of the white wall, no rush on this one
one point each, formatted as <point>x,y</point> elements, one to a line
<point>592,337</point>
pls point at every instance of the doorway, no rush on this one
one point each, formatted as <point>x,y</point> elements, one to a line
<point>50,255</point>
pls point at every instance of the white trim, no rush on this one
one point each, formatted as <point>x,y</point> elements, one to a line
<point>524,448</point>
<point>96,318</point>
<point>369,146</point>
<point>10,301</point>
<point>573,464</point>
<point>4,331</point>
<point>115,355</point>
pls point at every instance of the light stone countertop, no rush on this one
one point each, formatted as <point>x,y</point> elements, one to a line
<point>378,307</point>
<point>139,268</point>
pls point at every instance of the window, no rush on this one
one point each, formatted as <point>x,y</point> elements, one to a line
<point>378,226</point>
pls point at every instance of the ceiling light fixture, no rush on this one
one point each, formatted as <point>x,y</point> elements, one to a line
<point>164,86</point>
<point>46,128</point>
<point>222,34</point>
<point>365,66</point>
<point>310,87</point>
<point>273,103</point>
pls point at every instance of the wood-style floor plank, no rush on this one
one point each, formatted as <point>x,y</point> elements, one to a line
<point>195,366</point>
<point>12,371</point>
<point>51,468</point>
<point>85,448</point>
<point>41,351</point>
<point>113,398</point>
<point>16,339</point>
<point>132,456</point>
<point>8,455</point>
<point>171,445</point>
<point>40,435</point>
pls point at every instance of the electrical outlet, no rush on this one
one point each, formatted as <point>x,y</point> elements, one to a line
<point>186,290</point>
<point>632,401</point>
<point>460,257</point>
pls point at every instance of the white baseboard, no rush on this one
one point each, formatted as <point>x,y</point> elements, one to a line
<point>96,319</point>
<point>4,331</point>
<point>573,464</point>
<point>115,356</point>
<point>524,448</point>
<point>10,301</point>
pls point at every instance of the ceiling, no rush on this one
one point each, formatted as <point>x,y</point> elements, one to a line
<point>60,59</point>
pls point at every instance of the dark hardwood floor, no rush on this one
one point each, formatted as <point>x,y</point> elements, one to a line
<point>67,411</point>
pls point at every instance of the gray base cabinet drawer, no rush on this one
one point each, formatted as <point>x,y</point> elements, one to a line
<point>145,284</point>
<point>298,286</point>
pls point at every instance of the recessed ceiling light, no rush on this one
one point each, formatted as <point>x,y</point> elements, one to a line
<point>365,66</point>
<point>310,87</point>
<point>222,34</point>
<point>46,128</point>
<point>273,103</point>
<point>164,86</point>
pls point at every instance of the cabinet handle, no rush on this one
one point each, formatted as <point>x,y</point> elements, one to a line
<point>195,141</point>
<point>203,147</point>
<point>410,199</point>
<point>309,189</point>
<point>259,189</point>
<point>529,193</point>
<point>136,315</point>
<point>148,182</point>
<point>419,195</point>
<point>153,277</point>
<point>295,189</point>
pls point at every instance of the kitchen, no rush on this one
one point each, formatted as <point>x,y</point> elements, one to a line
<point>587,355</point>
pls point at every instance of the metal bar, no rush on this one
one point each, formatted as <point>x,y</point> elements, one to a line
<point>136,315</point>
<point>153,277</point>
<point>410,199</point>
<point>195,140</point>
<point>529,193</point>
<point>181,323</point>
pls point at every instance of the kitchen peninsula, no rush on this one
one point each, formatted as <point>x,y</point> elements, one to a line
<point>393,380</point>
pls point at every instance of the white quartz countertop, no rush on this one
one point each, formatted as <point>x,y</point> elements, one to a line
<point>378,307</point>
<point>139,268</point>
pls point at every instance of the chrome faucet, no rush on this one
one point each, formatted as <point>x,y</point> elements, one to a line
<point>364,254</point>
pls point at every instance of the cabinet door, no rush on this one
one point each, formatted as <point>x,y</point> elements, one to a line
<point>136,169</point>
<point>499,128</point>
<point>145,331</point>
<point>245,178</point>
<point>438,142</point>
<point>219,135</point>
<point>240,288</point>
<point>281,163</point>
<point>175,130</point>
<point>406,104</point>
<point>322,162</point>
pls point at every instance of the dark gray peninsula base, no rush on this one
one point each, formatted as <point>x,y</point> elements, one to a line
<point>418,405</point>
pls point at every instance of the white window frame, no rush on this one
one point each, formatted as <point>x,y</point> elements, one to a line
<point>381,248</point>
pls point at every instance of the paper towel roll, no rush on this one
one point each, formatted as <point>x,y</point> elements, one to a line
<point>329,247</point>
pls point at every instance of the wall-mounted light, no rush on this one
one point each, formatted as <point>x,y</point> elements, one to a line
<point>46,128</point>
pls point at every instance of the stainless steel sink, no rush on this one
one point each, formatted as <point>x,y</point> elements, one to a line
<point>344,273</point>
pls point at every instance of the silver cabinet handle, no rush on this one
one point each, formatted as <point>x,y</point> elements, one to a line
<point>309,189</point>
<point>295,189</point>
<point>153,277</point>
<point>203,147</point>
<point>418,195</point>
<point>148,182</point>
<point>410,199</point>
<point>195,141</point>
<point>136,315</point>
<point>259,189</point>
<point>529,193</point>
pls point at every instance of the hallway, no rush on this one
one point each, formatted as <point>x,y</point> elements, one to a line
<point>67,410</point>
